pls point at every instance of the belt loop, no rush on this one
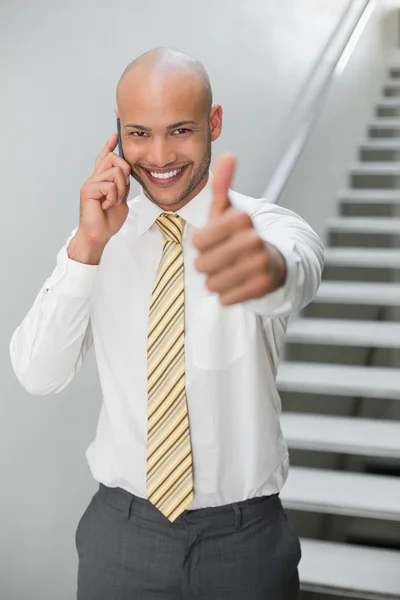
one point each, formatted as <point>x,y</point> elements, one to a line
<point>238,516</point>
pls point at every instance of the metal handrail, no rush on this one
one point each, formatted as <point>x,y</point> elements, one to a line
<point>331,63</point>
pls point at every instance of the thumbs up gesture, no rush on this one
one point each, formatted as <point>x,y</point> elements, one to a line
<point>239,265</point>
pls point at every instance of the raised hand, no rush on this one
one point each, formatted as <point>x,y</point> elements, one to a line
<point>103,207</point>
<point>239,265</point>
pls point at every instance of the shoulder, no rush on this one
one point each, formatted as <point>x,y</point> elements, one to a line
<point>258,207</point>
<point>242,202</point>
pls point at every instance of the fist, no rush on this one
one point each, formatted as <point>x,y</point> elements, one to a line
<point>239,265</point>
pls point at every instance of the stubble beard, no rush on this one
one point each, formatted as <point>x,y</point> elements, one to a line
<point>197,177</point>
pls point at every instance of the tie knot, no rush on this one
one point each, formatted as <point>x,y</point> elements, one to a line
<point>171,226</point>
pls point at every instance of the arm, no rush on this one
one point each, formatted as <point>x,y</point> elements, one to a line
<point>256,253</point>
<point>303,253</point>
<point>50,344</point>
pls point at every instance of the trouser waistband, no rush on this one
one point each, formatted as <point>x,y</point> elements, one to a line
<point>228,516</point>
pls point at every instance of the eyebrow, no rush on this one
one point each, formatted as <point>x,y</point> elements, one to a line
<point>180,123</point>
<point>169,127</point>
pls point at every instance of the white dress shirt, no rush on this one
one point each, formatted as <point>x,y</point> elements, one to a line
<point>231,353</point>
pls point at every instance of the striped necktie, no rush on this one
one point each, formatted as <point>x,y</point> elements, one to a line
<point>169,481</point>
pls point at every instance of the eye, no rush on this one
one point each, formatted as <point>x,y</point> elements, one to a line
<point>181,131</point>
<point>139,134</point>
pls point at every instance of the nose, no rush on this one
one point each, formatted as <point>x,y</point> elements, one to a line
<point>160,153</point>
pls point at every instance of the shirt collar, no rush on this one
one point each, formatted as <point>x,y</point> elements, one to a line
<point>194,212</point>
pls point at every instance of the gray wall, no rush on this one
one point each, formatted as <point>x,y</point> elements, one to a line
<point>59,67</point>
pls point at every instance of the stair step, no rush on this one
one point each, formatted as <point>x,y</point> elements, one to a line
<point>381,150</point>
<point>342,493</point>
<point>348,292</point>
<point>387,108</point>
<point>338,379</point>
<point>386,102</point>
<point>391,88</point>
<point>349,570</point>
<point>391,122</point>
<point>376,168</point>
<point>375,174</point>
<point>375,196</point>
<point>363,257</point>
<point>384,126</point>
<point>394,71</point>
<point>381,144</point>
<point>344,332</point>
<point>348,435</point>
<point>387,225</point>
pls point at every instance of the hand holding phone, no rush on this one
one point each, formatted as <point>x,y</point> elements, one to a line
<point>103,205</point>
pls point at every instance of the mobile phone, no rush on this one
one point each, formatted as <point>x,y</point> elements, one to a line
<point>121,153</point>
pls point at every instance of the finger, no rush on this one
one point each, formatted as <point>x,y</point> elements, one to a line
<point>113,160</point>
<point>221,229</point>
<point>252,288</point>
<point>125,197</point>
<point>104,192</point>
<point>247,268</point>
<point>222,179</point>
<point>116,175</point>
<point>108,147</point>
<point>229,252</point>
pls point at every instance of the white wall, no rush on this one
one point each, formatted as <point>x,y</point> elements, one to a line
<point>59,67</point>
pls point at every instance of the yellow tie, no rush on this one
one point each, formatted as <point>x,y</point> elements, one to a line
<point>169,483</point>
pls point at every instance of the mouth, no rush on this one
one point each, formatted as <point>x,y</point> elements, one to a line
<point>167,178</point>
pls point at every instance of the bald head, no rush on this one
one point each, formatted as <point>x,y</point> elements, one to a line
<point>162,63</point>
<point>167,125</point>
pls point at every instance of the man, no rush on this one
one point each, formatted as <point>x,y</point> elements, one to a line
<point>185,292</point>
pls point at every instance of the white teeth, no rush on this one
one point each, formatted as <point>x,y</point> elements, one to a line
<point>166,175</point>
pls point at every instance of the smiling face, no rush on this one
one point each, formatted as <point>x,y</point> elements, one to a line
<point>167,128</point>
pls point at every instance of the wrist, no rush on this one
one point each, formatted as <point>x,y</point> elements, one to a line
<point>85,251</point>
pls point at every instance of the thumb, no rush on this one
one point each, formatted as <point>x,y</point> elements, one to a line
<point>222,179</point>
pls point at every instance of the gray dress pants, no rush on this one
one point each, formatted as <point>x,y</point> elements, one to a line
<point>128,550</point>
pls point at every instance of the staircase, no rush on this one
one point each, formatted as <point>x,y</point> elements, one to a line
<point>340,384</point>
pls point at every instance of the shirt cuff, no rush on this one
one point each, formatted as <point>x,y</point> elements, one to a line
<point>281,301</point>
<point>72,278</point>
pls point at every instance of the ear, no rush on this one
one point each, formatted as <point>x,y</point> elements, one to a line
<point>216,113</point>
<point>116,112</point>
